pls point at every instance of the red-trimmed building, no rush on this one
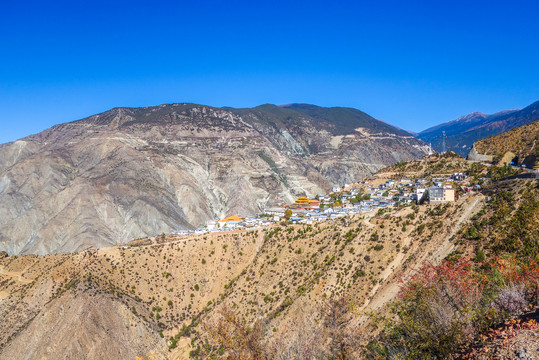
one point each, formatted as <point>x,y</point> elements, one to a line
<point>304,203</point>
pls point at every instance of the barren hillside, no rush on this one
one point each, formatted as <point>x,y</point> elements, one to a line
<point>134,172</point>
<point>159,285</point>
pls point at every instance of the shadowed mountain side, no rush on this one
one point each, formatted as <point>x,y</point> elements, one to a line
<point>463,132</point>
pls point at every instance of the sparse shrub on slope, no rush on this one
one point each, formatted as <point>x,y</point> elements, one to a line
<point>324,335</point>
<point>443,309</point>
<point>302,339</point>
<point>509,224</point>
<point>230,338</point>
<point>437,312</point>
<point>499,172</point>
<point>511,299</point>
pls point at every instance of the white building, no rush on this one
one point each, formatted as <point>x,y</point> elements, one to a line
<point>211,224</point>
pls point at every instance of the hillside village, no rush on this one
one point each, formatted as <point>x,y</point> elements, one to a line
<point>376,192</point>
<point>364,236</point>
<point>388,188</point>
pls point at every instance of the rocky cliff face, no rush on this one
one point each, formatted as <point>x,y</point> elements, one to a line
<point>474,155</point>
<point>132,172</point>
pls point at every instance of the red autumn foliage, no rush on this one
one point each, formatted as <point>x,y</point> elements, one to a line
<point>455,277</point>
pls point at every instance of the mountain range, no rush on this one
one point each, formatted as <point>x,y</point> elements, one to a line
<point>133,172</point>
<point>355,280</point>
<point>464,131</point>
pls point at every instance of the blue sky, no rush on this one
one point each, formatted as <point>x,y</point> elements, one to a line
<point>412,63</point>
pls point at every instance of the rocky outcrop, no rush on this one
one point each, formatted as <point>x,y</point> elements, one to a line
<point>474,155</point>
<point>132,172</point>
<point>507,158</point>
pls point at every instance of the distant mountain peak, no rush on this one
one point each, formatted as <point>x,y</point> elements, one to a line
<point>471,115</point>
<point>460,134</point>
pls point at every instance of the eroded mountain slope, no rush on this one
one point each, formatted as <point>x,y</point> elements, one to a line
<point>133,172</point>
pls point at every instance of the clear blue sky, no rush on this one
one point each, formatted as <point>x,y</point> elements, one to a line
<point>411,63</point>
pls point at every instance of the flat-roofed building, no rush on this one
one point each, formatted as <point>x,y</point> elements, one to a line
<point>439,194</point>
